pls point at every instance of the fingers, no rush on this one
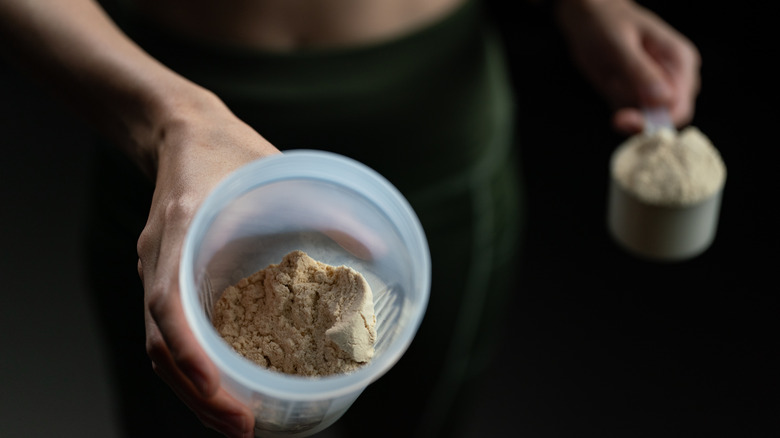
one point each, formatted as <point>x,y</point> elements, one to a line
<point>159,249</point>
<point>174,338</point>
<point>684,74</point>
<point>669,79</point>
<point>178,359</point>
<point>220,411</point>
<point>680,63</point>
<point>176,355</point>
<point>646,83</point>
<point>637,81</point>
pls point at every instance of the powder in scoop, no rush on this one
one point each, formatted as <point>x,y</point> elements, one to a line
<point>300,317</point>
<point>666,168</point>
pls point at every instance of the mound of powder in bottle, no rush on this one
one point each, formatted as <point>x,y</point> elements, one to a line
<point>669,169</point>
<point>300,317</point>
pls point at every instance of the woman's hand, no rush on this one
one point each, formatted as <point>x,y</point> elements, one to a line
<point>633,58</point>
<point>182,135</point>
<point>196,148</point>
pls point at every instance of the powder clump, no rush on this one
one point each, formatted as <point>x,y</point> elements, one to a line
<point>300,317</point>
<point>666,168</point>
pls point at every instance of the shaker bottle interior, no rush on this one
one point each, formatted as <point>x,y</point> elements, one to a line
<point>340,213</point>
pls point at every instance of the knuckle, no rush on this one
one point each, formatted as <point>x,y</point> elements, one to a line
<point>155,349</point>
<point>156,301</point>
<point>145,241</point>
<point>172,213</point>
<point>180,209</point>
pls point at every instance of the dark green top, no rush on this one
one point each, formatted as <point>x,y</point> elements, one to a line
<point>433,113</point>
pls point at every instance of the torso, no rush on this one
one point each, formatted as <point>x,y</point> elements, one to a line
<point>287,25</point>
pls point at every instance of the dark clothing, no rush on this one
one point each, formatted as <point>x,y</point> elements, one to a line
<point>433,113</point>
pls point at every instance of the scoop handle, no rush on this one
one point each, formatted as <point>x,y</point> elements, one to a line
<point>657,118</point>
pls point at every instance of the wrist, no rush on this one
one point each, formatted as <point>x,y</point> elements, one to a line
<point>189,124</point>
<point>161,112</point>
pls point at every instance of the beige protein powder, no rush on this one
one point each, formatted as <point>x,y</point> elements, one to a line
<point>300,317</point>
<point>669,169</point>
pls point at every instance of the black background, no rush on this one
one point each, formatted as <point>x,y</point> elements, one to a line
<point>599,343</point>
<point>606,345</point>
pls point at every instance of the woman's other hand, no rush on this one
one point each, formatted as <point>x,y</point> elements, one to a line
<point>633,57</point>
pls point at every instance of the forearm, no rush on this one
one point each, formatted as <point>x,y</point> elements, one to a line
<point>75,47</point>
